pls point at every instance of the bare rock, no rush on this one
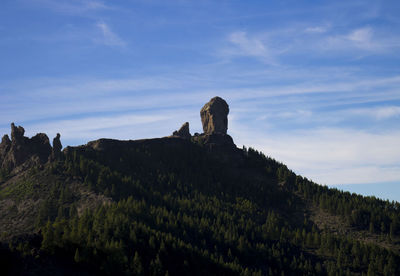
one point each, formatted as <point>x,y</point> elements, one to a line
<point>57,146</point>
<point>4,145</point>
<point>18,152</point>
<point>40,146</point>
<point>17,133</point>
<point>22,149</point>
<point>183,132</point>
<point>214,116</point>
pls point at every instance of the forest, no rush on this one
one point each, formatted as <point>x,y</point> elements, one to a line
<point>170,206</point>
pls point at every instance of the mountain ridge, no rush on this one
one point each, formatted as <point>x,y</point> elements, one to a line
<point>179,205</point>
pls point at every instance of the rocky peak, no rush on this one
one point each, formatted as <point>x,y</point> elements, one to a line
<point>5,141</point>
<point>21,149</point>
<point>214,116</point>
<point>4,147</point>
<point>17,133</point>
<point>183,132</point>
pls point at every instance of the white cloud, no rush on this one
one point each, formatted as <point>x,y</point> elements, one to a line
<point>272,46</point>
<point>378,113</point>
<point>330,156</point>
<point>387,112</point>
<point>316,30</point>
<point>365,39</point>
<point>248,46</point>
<point>108,36</point>
<point>254,46</point>
<point>363,35</point>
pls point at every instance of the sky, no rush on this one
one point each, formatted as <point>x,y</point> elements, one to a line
<point>313,84</point>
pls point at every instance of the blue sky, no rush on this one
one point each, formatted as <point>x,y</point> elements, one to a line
<point>314,84</point>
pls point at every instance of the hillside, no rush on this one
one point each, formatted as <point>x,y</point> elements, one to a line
<point>181,205</point>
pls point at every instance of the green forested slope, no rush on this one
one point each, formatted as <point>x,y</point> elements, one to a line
<point>172,206</point>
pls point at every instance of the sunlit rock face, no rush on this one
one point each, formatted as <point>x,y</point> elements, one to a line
<point>214,116</point>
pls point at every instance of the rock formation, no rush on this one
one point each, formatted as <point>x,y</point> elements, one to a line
<point>40,146</point>
<point>214,116</point>
<point>21,149</point>
<point>17,134</point>
<point>5,145</point>
<point>183,132</point>
<point>57,146</point>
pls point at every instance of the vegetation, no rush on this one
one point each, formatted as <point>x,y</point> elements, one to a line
<point>175,207</point>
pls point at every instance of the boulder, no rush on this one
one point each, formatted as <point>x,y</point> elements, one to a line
<point>183,132</point>
<point>214,116</point>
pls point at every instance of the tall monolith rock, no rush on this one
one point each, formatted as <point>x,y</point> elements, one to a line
<point>57,146</point>
<point>214,116</point>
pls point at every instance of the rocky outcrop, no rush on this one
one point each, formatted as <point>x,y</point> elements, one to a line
<point>5,145</point>
<point>183,132</point>
<point>17,134</point>
<point>214,116</point>
<point>40,146</point>
<point>21,149</point>
<point>57,146</point>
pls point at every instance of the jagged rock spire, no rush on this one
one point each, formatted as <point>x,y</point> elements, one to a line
<point>183,132</point>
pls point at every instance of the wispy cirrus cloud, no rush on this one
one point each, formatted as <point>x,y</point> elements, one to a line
<point>272,46</point>
<point>379,113</point>
<point>77,7</point>
<point>366,39</point>
<point>362,38</point>
<point>241,44</point>
<point>316,29</point>
<point>108,37</point>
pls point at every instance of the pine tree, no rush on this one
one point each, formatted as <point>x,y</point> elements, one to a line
<point>136,265</point>
<point>156,267</point>
<point>77,257</point>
